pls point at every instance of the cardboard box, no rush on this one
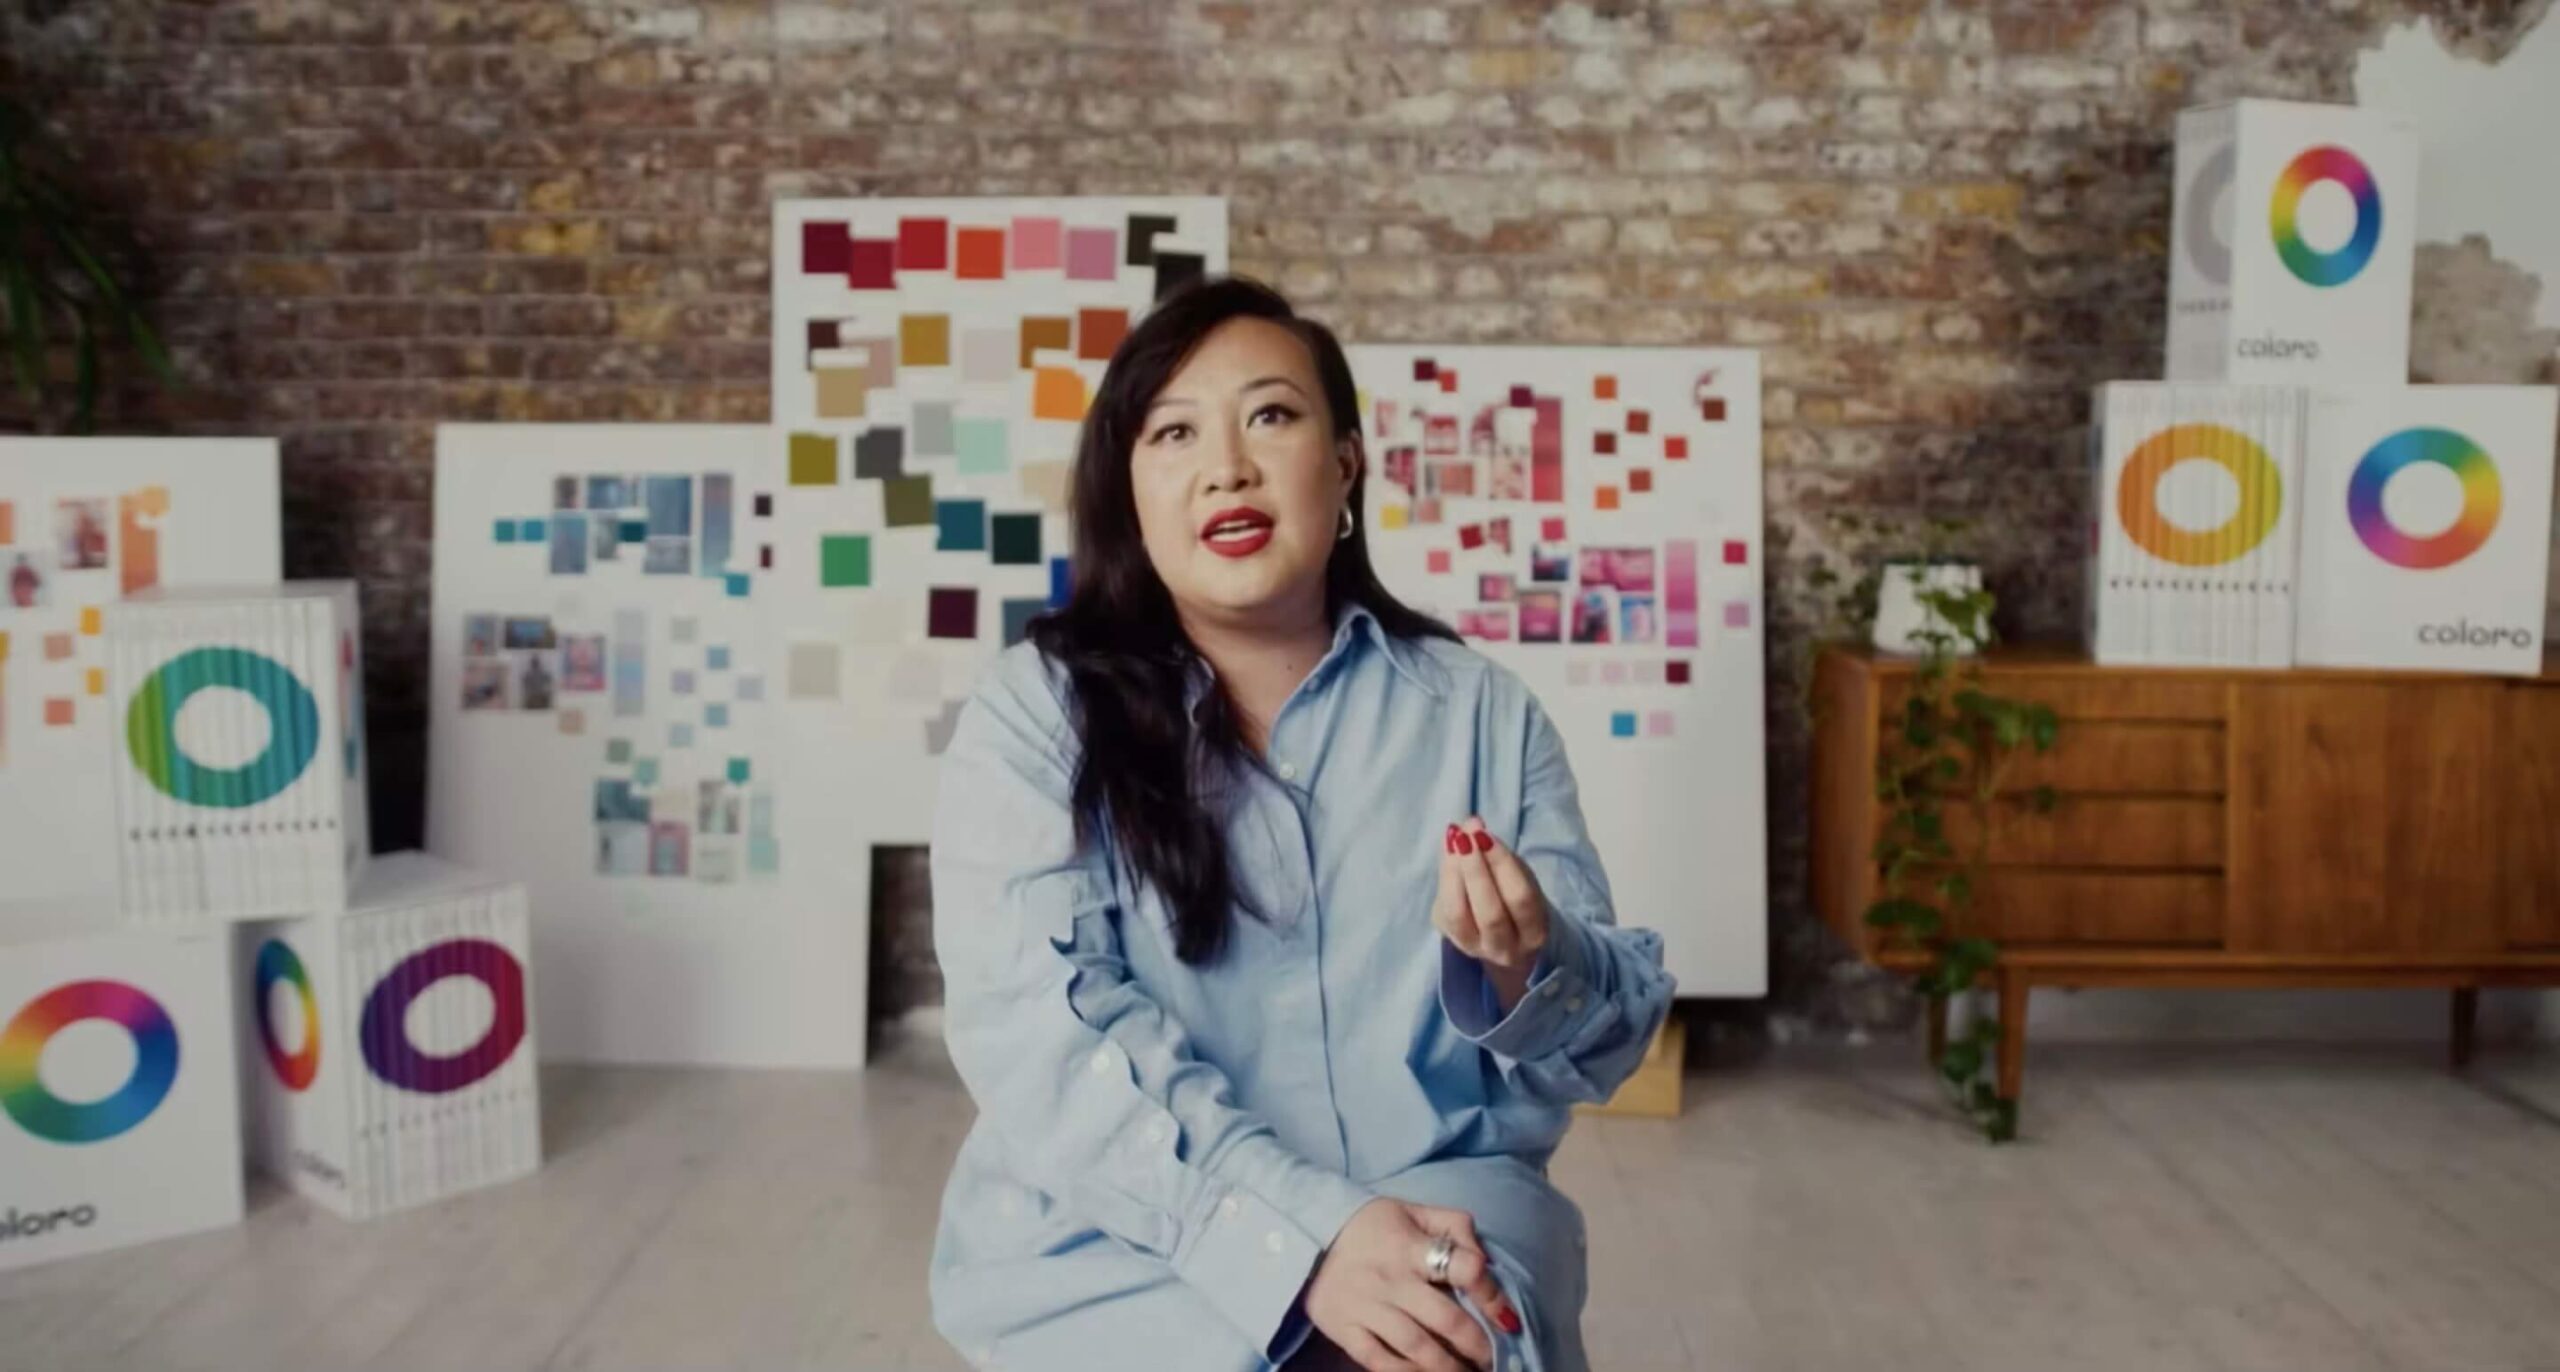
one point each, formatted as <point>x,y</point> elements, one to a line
<point>2427,535</point>
<point>119,1098</point>
<point>2291,245</point>
<point>2196,495</point>
<point>390,1049</point>
<point>247,800</point>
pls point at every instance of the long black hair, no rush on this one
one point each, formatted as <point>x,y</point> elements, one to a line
<point>1149,775</point>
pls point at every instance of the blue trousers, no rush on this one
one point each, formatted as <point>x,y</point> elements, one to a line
<point>1144,1315</point>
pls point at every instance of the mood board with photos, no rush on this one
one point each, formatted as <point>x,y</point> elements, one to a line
<point>1591,519</point>
<point>86,523</point>
<point>711,667</point>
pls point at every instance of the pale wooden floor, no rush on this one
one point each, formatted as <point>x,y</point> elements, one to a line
<point>2189,1208</point>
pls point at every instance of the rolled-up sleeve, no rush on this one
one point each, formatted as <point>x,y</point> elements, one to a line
<point>1598,991</point>
<point>1088,1081</point>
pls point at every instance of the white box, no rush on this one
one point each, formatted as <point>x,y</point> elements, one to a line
<point>390,1049</point>
<point>2291,244</point>
<point>2427,537</point>
<point>85,522</point>
<point>2195,491</point>
<point>119,1095</point>
<point>239,757</point>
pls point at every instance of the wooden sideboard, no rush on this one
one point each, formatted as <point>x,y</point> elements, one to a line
<point>2228,828</point>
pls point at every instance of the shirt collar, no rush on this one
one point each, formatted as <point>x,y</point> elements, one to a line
<point>1355,628</point>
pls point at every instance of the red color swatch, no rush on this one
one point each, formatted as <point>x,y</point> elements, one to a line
<point>981,254</point>
<point>826,248</point>
<point>924,245</point>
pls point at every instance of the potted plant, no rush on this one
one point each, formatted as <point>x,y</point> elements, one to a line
<point>63,294</point>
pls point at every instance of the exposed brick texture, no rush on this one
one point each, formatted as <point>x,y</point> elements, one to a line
<point>1940,221</point>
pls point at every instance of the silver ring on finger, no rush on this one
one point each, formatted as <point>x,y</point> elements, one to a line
<point>1435,1260</point>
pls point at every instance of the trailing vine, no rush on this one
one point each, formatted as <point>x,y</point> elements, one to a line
<point>1951,741</point>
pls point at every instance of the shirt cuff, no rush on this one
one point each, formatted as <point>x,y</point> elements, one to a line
<point>1557,1000</point>
<point>1250,1261</point>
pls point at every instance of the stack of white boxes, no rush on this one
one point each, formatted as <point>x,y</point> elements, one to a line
<point>375,1014</point>
<point>2285,496</point>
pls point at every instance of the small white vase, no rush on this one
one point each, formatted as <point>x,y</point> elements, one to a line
<point>1899,614</point>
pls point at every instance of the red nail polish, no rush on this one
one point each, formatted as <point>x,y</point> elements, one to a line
<point>1509,1319</point>
<point>1484,841</point>
<point>1450,841</point>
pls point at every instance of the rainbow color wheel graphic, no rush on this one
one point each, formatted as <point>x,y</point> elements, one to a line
<point>2325,163</point>
<point>2261,495</point>
<point>48,1116</point>
<point>2481,498</point>
<point>277,962</point>
<point>293,728</point>
<point>387,1049</point>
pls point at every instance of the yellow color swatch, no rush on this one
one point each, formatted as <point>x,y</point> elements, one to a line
<point>91,622</point>
<point>1391,517</point>
<point>813,459</point>
<point>97,681</point>
<point>924,340</point>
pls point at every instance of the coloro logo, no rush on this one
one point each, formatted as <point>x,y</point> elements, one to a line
<point>2447,449</point>
<point>2325,163</point>
<point>151,728</point>
<point>387,1049</point>
<point>276,962</point>
<point>2465,634</point>
<point>2261,495</point>
<point>48,1116</point>
<point>35,1224</point>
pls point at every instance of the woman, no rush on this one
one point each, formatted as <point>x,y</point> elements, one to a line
<point>1274,946</point>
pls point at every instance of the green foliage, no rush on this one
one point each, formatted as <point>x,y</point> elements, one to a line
<point>61,290</point>
<point>1951,744</point>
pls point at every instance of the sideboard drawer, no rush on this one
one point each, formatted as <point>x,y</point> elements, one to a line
<point>2113,832</point>
<point>2020,905</point>
<point>2082,695</point>
<point>2124,758</point>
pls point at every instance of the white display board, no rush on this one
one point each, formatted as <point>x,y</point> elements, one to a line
<point>119,1103</point>
<point>634,746</point>
<point>1590,518</point>
<point>85,522</point>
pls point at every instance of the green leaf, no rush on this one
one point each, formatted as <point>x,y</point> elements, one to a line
<point>1956,888</point>
<point>1899,912</point>
<point>2043,799</point>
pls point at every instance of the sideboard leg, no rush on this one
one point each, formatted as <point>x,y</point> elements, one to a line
<point>1936,1022</point>
<point>2466,1019</point>
<point>2013,1031</point>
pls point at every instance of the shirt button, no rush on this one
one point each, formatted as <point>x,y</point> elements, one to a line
<point>1101,1064</point>
<point>1155,1131</point>
<point>1276,1241</point>
<point>1230,1208</point>
<point>1287,772</point>
<point>1573,1003</point>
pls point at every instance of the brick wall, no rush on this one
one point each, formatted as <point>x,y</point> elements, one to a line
<point>1940,221</point>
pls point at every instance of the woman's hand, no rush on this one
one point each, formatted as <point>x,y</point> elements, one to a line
<point>1371,1297</point>
<point>1489,908</point>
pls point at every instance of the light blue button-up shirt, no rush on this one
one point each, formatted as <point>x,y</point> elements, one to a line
<point>1185,1141</point>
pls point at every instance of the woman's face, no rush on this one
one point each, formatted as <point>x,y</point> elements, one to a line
<point>1240,481</point>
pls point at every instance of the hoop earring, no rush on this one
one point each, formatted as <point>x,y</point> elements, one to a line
<point>1343,530</point>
